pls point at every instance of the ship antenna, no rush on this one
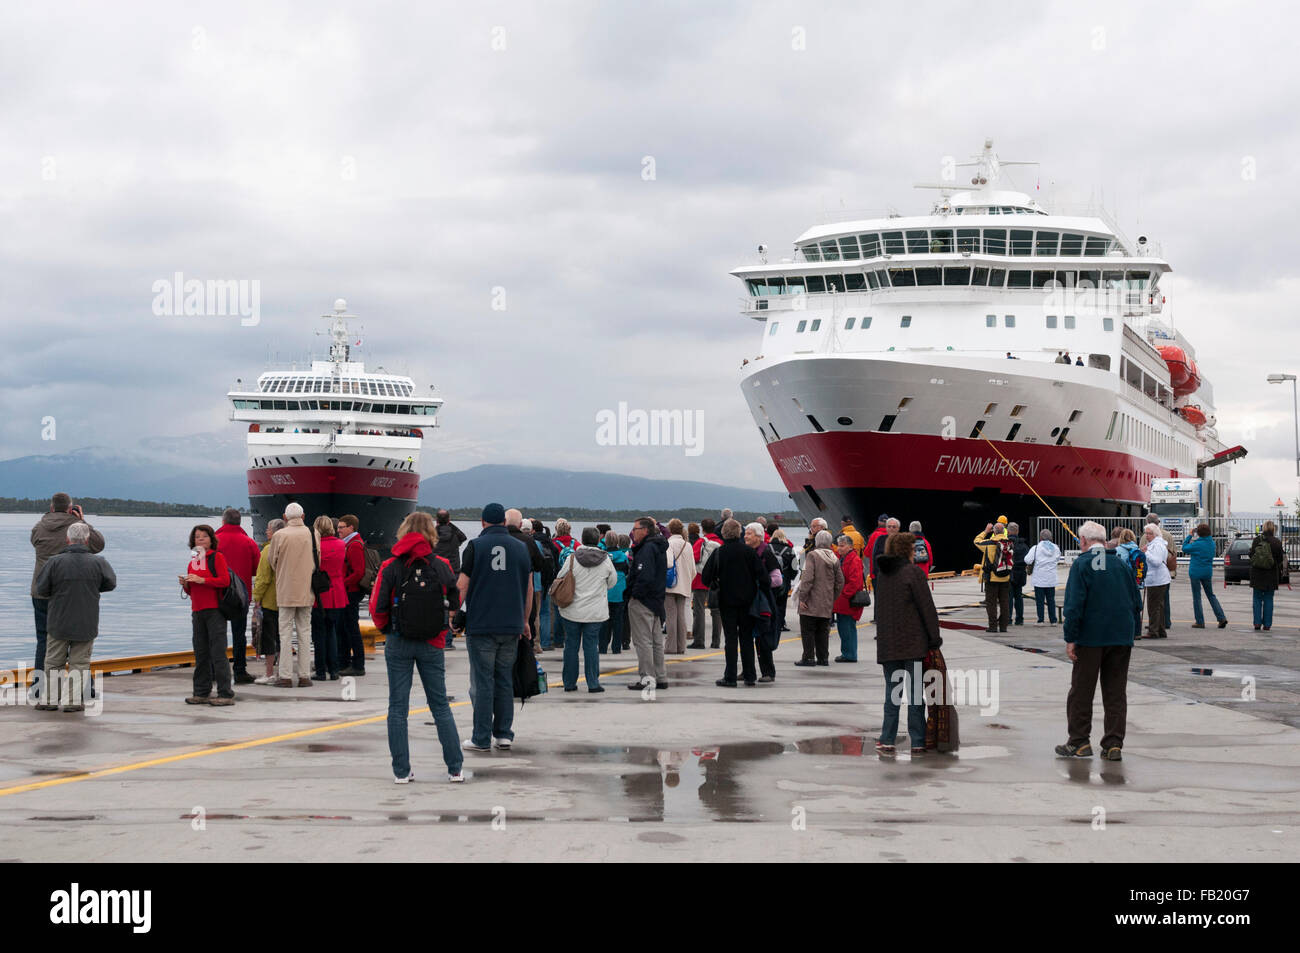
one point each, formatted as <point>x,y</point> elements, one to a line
<point>340,350</point>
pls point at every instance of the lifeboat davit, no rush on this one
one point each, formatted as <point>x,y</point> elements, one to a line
<point>1193,415</point>
<point>1183,376</point>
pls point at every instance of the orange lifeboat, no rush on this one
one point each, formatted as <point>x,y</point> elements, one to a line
<point>1193,382</point>
<point>1193,415</point>
<point>1179,367</point>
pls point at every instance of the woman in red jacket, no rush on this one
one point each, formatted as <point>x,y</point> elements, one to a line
<point>327,614</point>
<point>203,581</point>
<point>847,616</point>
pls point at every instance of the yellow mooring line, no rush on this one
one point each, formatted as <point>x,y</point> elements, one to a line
<point>1028,484</point>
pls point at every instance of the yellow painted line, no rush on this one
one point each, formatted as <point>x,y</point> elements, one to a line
<point>272,739</point>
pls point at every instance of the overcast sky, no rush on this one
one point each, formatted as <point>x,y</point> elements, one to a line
<point>414,157</point>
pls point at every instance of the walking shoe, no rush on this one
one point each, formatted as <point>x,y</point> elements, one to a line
<point>504,743</point>
<point>220,702</point>
<point>696,645</point>
<point>595,691</point>
<point>1222,623</point>
<point>468,745</point>
<point>1074,751</point>
<point>74,707</point>
<point>882,748</point>
<point>1112,754</point>
<point>823,661</point>
<point>712,645</point>
<point>917,752</point>
<point>406,780</point>
<point>283,683</point>
<point>1002,629</point>
<point>750,683</point>
<point>992,628</point>
<point>457,778</point>
<point>568,689</point>
<point>347,670</point>
<point>358,673</point>
<point>334,677</point>
<point>636,686</point>
<point>841,658</point>
<point>768,678</point>
<point>805,663</point>
<point>304,683</point>
<point>723,683</point>
<point>44,707</point>
<point>264,680</point>
<point>196,700</point>
<point>243,678</point>
<point>1198,625</point>
<point>1267,627</point>
<point>1256,628</point>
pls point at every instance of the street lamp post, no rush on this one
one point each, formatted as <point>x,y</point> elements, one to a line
<point>1295,407</point>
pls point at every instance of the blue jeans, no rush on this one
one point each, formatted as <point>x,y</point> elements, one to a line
<point>898,674</point>
<point>1045,596</point>
<point>588,633</point>
<point>847,627</point>
<point>352,650</point>
<point>401,656</point>
<point>325,624</point>
<point>611,630</point>
<point>1197,585</point>
<point>42,609</point>
<point>544,620</point>
<point>492,686</point>
<point>1017,612</point>
<point>1262,606</point>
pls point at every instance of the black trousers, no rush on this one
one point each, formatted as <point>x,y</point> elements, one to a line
<point>816,633</point>
<point>997,602</point>
<point>238,643</point>
<point>1110,664</point>
<point>352,650</point>
<point>738,633</point>
<point>210,660</point>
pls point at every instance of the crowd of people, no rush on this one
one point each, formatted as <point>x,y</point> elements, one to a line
<point>658,590</point>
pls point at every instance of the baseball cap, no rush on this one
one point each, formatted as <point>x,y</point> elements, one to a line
<point>494,513</point>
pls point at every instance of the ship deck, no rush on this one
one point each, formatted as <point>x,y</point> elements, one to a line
<point>781,772</point>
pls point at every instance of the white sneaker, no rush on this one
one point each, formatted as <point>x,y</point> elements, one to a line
<point>264,680</point>
<point>406,780</point>
<point>504,743</point>
<point>457,778</point>
<point>469,745</point>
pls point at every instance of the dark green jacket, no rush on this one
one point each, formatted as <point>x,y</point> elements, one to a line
<point>1102,603</point>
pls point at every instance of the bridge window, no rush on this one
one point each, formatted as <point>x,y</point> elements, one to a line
<point>996,277</point>
<point>927,276</point>
<point>872,281</point>
<point>849,247</point>
<point>1018,279</point>
<point>794,285</point>
<point>979,276</point>
<point>968,239</point>
<point>995,241</point>
<point>883,275</point>
<point>816,284</point>
<point>1022,241</point>
<point>918,241</point>
<point>1042,278</point>
<point>956,276</point>
<point>902,277</point>
<point>870,245</point>
<point>1096,247</point>
<point>894,243</point>
<point>1071,245</point>
<point>941,241</point>
<point>1046,243</point>
<point>855,282</point>
<point>830,251</point>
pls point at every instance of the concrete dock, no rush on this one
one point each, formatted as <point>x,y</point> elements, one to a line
<point>1211,767</point>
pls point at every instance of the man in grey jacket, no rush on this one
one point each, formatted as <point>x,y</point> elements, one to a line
<point>50,536</point>
<point>72,581</point>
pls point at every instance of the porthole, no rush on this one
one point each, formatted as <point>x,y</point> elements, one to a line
<point>844,421</point>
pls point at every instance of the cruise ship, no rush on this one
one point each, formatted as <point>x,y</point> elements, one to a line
<point>335,439</point>
<point>916,366</point>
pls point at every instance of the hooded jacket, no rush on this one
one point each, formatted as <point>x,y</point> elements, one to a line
<point>1266,580</point>
<point>989,546</point>
<point>681,555</point>
<point>1102,603</point>
<point>50,537</point>
<point>820,584</point>
<point>647,577</point>
<point>594,576</point>
<point>907,624</point>
<point>72,580</point>
<point>450,539</point>
<point>1201,550</point>
<point>619,559</point>
<point>1044,557</point>
<point>410,547</point>
<point>851,566</point>
<point>735,570</point>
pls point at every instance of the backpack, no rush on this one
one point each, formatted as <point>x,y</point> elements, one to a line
<point>1137,561</point>
<point>920,551</point>
<point>372,570</point>
<point>788,569</point>
<point>419,611</point>
<point>549,569</point>
<point>1261,557</point>
<point>232,601</point>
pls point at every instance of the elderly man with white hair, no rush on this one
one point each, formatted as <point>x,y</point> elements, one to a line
<point>1103,614</point>
<point>1156,584</point>
<point>72,581</point>
<point>293,555</point>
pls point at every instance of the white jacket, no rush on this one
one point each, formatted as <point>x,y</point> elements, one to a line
<point>682,555</point>
<point>1044,557</point>
<point>1157,572</point>
<point>591,584</point>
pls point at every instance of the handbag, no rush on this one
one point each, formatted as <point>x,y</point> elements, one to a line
<point>672,571</point>
<point>860,599</point>
<point>563,589</point>
<point>320,579</point>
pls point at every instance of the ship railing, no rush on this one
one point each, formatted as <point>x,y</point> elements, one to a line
<point>1130,304</point>
<point>1223,529</point>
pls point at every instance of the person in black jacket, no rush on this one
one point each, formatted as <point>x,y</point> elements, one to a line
<point>72,581</point>
<point>647,580</point>
<point>736,570</point>
<point>770,563</point>
<point>514,526</point>
<point>450,540</point>
<point>1019,549</point>
<point>1264,580</point>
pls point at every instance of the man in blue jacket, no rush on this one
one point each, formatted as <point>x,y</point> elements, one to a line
<point>1103,613</point>
<point>496,588</point>
<point>647,579</point>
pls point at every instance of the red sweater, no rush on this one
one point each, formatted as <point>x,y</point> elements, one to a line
<point>203,595</point>
<point>331,560</point>
<point>242,554</point>
<point>355,563</point>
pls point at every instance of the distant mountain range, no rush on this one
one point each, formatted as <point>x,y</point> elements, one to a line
<point>209,469</point>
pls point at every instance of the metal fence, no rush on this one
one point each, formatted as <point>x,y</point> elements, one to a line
<point>1224,529</point>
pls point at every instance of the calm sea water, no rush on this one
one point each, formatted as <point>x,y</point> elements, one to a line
<point>147,612</point>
